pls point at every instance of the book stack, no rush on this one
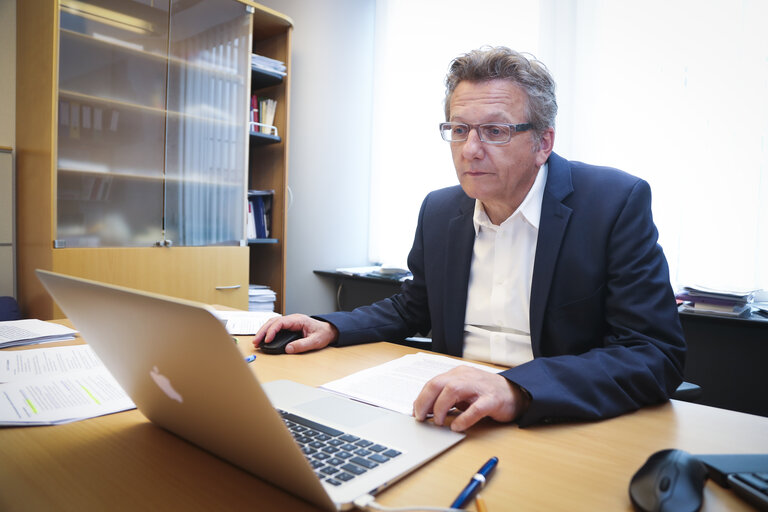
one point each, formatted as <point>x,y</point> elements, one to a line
<point>713,302</point>
<point>261,298</point>
<point>263,115</point>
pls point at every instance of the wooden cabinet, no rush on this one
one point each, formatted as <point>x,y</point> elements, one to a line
<point>132,146</point>
<point>268,158</point>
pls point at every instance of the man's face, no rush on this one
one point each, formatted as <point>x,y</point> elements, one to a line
<point>499,176</point>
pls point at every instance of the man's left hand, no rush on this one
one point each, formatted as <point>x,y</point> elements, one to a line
<point>476,392</point>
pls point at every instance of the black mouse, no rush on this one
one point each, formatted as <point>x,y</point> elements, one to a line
<point>278,343</point>
<point>670,480</point>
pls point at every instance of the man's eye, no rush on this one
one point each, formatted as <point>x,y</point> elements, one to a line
<point>459,130</point>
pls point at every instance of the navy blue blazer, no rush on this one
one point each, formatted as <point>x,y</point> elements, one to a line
<point>605,331</point>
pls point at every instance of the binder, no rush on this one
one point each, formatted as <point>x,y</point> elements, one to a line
<point>251,221</point>
<point>260,217</point>
<point>261,201</point>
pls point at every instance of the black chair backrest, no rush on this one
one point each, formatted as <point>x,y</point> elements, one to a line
<point>9,309</point>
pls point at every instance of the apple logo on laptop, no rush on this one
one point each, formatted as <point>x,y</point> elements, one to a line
<point>165,384</point>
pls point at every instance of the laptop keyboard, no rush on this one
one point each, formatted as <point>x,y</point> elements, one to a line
<point>753,487</point>
<point>336,456</point>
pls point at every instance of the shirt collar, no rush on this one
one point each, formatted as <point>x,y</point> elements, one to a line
<point>530,208</point>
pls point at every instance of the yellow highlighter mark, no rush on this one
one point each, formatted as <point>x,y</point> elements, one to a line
<point>90,394</point>
<point>31,405</point>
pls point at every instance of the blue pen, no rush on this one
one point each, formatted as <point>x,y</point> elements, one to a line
<point>474,485</point>
<point>250,358</point>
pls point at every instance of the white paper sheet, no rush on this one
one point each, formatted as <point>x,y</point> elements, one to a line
<point>244,322</point>
<point>396,384</point>
<point>48,386</point>
<point>28,331</point>
<point>21,364</point>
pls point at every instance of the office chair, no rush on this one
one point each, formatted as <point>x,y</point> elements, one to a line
<point>688,392</point>
<point>9,309</point>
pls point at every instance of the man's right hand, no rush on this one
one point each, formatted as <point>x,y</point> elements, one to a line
<point>316,333</point>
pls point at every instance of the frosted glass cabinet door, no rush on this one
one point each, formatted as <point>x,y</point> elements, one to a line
<point>111,122</point>
<point>152,122</point>
<point>7,219</point>
<point>208,100</point>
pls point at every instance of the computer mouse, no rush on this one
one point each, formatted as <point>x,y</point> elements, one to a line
<point>670,480</point>
<point>281,339</point>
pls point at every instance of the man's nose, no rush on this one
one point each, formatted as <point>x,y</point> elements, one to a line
<point>473,146</point>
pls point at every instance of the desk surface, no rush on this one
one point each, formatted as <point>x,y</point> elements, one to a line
<point>123,462</point>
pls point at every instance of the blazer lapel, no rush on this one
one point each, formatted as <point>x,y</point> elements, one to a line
<point>554,220</point>
<point>461,239</point>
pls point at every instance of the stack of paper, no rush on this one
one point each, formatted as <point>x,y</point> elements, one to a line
<point>261,298</point>
<point>379,271</point>
<point>728,303</point>
<point>244,322</point>
<point>15,333</point>
<point>359,271</point>
<point>267,64</point>
<point>48,386</point>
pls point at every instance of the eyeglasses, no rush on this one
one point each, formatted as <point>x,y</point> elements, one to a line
<point>490,133</point>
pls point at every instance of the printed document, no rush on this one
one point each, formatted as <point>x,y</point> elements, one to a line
<point>48,386</point>
<point>14,333</point>
<point>396,384</point>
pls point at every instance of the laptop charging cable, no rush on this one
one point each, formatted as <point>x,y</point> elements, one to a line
<point>368,502</point>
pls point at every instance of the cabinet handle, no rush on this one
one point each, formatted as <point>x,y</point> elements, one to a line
<point>232,287</point>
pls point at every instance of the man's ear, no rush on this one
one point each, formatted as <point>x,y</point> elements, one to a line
<point>546,143</point>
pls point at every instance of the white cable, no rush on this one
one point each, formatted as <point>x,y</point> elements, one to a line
<point>290,198</point>
<point>367,502</point>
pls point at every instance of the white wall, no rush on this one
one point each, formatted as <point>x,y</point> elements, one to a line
<point>419,39</point>
<point>330,144</point>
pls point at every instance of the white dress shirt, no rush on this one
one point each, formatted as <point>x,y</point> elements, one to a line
<point>497,321</point>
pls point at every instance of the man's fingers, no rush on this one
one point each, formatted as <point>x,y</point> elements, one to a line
<point>272,326</point>
<point>266,333</point>
<point>441,393</point>
<point>450,396</point>
<point>424,403</point>
<point>480,393</point>
<point>474,413</point>
<point>304,345</point>
<point>315,334</point>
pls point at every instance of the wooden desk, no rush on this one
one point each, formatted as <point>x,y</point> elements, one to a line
<point>122,462</point>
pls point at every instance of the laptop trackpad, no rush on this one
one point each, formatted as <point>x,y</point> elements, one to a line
<point>341,411</point>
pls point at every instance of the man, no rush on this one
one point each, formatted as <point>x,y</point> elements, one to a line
<point>547,266</point>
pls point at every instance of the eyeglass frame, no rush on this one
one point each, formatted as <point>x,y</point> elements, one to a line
<point>516,128</point>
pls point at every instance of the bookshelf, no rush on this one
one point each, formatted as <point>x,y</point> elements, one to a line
<point>133,150</point>
<point>268,153</point>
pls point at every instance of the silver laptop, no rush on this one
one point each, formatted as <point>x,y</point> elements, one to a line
<point>179,365</point>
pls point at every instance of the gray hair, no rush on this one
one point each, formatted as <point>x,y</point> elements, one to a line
<point>490,63</point>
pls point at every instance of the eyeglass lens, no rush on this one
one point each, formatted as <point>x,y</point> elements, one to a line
<point>459,132</point>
